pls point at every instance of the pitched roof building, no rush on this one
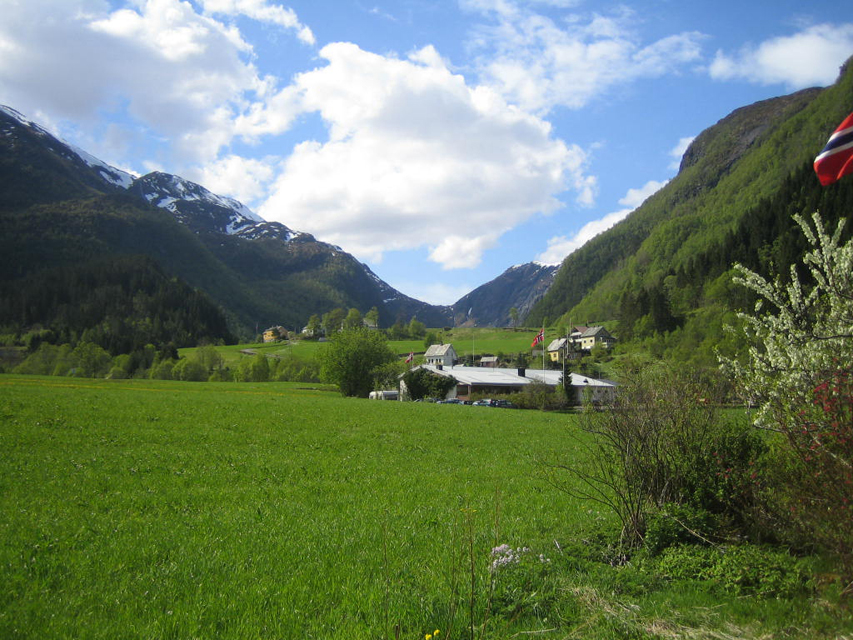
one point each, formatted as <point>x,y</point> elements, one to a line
<point>484,380</point>
<point>588,337</point>
<point>443,354</point>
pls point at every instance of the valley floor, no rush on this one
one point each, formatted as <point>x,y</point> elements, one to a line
<point>143,509</point>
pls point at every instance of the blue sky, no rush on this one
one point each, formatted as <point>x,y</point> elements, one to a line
<point>439,141</point>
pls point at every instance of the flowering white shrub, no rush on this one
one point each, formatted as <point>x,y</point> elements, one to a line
<point>806,335</point>
<point>800,373</point>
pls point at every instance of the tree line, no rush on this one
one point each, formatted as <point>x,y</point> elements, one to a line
<point>119,303</point>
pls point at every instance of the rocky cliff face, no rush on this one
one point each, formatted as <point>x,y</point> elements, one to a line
<point>518,287</point>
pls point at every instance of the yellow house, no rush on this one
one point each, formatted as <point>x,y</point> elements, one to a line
<point>274,334</point>
<point>585,338</point>
<point>557,349</point>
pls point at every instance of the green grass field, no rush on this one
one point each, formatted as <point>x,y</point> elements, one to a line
<point>464,340</point>
<point>146,509</point>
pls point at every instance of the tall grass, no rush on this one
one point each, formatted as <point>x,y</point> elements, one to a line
<point>147,509</point>
<point>151,509</point>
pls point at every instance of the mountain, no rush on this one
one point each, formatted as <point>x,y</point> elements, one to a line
<point>664,270</point>
<point>63,209</point>
<point>518,287</point>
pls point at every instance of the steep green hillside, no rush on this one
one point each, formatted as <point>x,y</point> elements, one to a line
<point>63,210</point>
<point>731,169</point>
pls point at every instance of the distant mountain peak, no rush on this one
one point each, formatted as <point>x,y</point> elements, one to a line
<point>520,286</point>
<point>195,205</point>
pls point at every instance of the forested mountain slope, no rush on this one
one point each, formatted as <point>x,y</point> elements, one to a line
<point>659,267</point>
<point>63,209</point>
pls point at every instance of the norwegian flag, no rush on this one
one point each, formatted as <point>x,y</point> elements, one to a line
<point>539,338</point>
<point>836,159</point>
<point>411,357</point>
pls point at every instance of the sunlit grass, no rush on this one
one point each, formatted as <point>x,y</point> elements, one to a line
<point>158,509</point>
<point>209,509</point>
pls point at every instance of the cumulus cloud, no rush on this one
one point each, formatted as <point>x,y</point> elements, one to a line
<point>170,71</point>
<point>245,179</point>
<point>561,246</point>
<point>539,64</point>
<point>416,157</point>
<point>808,58</point>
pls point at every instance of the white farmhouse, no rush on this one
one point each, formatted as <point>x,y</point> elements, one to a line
<point>443,354</point>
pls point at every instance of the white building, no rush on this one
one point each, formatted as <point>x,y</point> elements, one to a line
<point>443,354</point>
<point>487,381</point>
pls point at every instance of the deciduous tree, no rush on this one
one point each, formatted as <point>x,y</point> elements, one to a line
<point>798,373</point>
<point>354,359</point>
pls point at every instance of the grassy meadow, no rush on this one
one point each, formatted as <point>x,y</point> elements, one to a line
<point>463,339</point>
<point>152,509</point>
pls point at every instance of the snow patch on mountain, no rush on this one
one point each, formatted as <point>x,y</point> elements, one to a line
<point>17,115</point>
<point>109,173</point>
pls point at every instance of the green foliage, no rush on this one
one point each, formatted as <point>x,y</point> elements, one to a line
<point>372,317</point>
<point>732,202</point>
<point>162,370</point>
<point>743,570</point>
<point>190,370</point>
<point>314,325</point>
<point>254,368</point>
<point>422,383</point>
<point>353,360</point>
<point>120,304</point>
<point>661,443</point>
<point>353,319</point>
<point>676,524</point>
<point>431,338</point>
<point>539,395</point>
<point>798,372</point>
<point>417,329</point>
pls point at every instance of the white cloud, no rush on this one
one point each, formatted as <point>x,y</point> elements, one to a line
<point>635,197</point>
<point>262,11</point>
<point>808,58</point>
<point>539,64</point>
<point>245,179</point>
<point>416,158</point>
<point>561,246</point>
<point>678,151</point>
<point>159,66</point>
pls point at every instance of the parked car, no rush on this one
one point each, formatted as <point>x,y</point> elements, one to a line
<point>488,402</point>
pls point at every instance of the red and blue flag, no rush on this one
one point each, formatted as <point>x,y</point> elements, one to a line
<point>836,159</point>
<point>539,338</point>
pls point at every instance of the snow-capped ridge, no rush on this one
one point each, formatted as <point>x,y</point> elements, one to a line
<point>17,115</point>
<point>109,173</point>
<point>194,204</point>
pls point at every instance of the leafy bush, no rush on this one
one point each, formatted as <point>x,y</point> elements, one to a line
<point>422,383</point>
<point>740,570</point>
<point>663,446</point>
<point>353,359</point>
<point>676,524</point>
